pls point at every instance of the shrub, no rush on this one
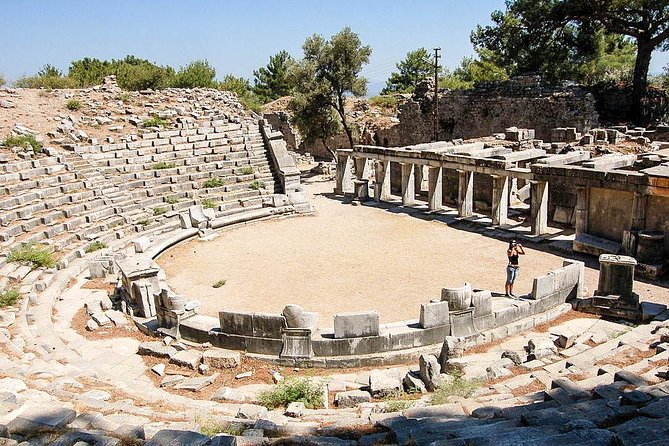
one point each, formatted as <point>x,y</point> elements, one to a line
<point>213,182</point>
<point>73,105</point>
<point>155,121</point>
<point>95,246</point>
<point>291,390</point>
<point>28,253</point>
<point>196,74</point>
<point>9,297</point>
<point>211,427</point>
<point>171,200</point>
<point>164,165</point>
<point>25,141</point>
<point>246,170</point>
<point>208,203</point>
<point>123,97</point>
<point>385,102</point>
<point>257,185</point>
<point>144,222</point>
<point>459,387</point>
<point>397,405</point>
<point>159,211</point>
<point>219,283</point>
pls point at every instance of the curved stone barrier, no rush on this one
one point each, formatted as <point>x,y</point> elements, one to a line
<point>458,298</point>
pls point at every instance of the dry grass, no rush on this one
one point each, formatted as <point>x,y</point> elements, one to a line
<point>533,387</point>
<point>99,284</point>
<point>568,316</point>
<point>80,318</point>
<point>628,357</point>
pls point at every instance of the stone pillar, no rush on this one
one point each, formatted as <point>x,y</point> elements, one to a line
<point>616,278</point>
<point>382,184</point>
<point>344,176</point>
<point>582,209</point>
<point>435,179</point>
<point>419,177</point>
<point>539,207</point>
<point>500,200</point>
<point>465,193</point>
<point>361,168</point>
<point>408,185</point>
<point>361,178</point>
<point>639,205</point>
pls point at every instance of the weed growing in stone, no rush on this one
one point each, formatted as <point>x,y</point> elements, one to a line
<point>159,211</point>
<point>144,222</point>
<point>171,200</point>
<point>208,203</point>
<point>211,427</point>
<point>155,121</point>
<point>295,389</point>
<point>459,387</point>
<point>73,104</point>
<point>24,141</point>
<point>9,297</point>
<point>95,246</point>
<point>213,182</point>
<point>37,257</point>
<point>255,185</point>
<point>164,165</point>
<point>246,170</point>
<point>397,402</point>
<point>219,283</point>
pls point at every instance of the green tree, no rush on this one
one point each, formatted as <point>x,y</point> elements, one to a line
<point>196,74</point>
<point>2,80</point>
<point>49,70</point>
<point>89,71</point>
<point>416,66</point>
<point>311,108</point>
<point>562,37</point>
<point>242,88</point>
<point>333,68</point>
<point>272,82</point>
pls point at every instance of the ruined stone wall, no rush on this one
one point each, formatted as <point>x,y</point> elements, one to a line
<point>280,121</point>
<point>610,213</point>
<point>492,107</point>
<point>656,216</point>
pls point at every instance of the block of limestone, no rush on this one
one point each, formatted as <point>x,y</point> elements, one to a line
<point>356,324</point>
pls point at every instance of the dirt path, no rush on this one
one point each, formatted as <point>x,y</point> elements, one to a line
<point>348,258</point>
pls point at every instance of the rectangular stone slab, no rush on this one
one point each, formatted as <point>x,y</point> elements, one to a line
<point>356,325</point>
<point>434,314</point>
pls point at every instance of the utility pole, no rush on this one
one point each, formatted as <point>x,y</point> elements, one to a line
<point>436,93</point>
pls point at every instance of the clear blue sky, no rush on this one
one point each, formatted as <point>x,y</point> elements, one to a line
<point>234,36</point>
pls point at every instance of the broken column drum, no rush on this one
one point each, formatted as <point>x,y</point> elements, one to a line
<point>616,277</point>
<point>650,247</point>
<point>458,298</point>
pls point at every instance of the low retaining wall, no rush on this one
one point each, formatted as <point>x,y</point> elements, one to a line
<point>264,333</point>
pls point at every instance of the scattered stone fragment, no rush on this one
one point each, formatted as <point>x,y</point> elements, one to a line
<point>91,325</point>
<point>429,371</point>
<point>197,383</point>
<point>187,358</point>
<point>157,349</point>
<point>413,384</point>
<point>169,437</point>
<point>251,411</point>
<point>295,409</point>
<point>384,383</point>
<point>244,375</point>
<point>352,398</point>
<point>101,319</point>
<point>171,380</point>
<point>231,394</point>
<point>117,317</point>
<point>34,419</point>
<point>219,358</point>
<point>158,369</point>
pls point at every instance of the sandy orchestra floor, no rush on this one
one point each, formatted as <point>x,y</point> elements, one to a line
<point>349,258</point>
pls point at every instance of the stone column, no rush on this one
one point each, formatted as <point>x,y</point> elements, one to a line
<point>408,185</point>
<point>361,168</point>
<point>465,193</point>
<point>435,179</point>
<point>361,178</point>
<point>344,176</point>
<point>500,200</point>
<point>418,178</point>
<point>382,184</point>
<point>582,209</point>
<point>539,207</point>
<point>639,211</point>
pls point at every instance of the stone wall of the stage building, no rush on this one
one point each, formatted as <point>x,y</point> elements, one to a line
<point>610,213</point>
<point>281,121</point>
<point>492,107</point>
<point>657,212</point>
